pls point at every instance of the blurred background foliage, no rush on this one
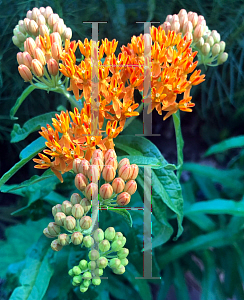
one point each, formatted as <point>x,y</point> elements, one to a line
<point>194,267</point>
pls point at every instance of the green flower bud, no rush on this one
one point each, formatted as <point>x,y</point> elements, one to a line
<point>71,273</point>
<point>118,236</point>
<point>56,246</point>
<point>86,204</point>
<point>57,208</point>
<point>92,265</point>
<point>120,270</point>
<point>75,284</point>
<point>110,233</point>
<point>77,211</point>
<point>98,235</point>
<point>216,36</point>
<point>205,49</point>
<point>102,262</point>
<point>77,279</point>
<point>67,207</point>
<point>222,46</point>
<point>63,239</point>
<point>85,222</point>
<point>93,255</point>
<point>83,264</point>
<point>124,261</point>
<point>75,198</point>
<point>104,245</point>
<point>76,270</point>
<point>116,245</point>
<point>123,253</point>
<point>215,49</point>
<point>86,282</point>
<point>83,289</point>
<point>88,241</point>
<point>98,272</point>
<point>47,233</point>
<point>114,263</point>
<point>76,238</point>
<point>123,241</point>
<point>69,223</point>
<point>87,275</point>
<point>59,218</point>
<point>210,40</point>
<point>53,228</point>
<point>96,281</point>
<point>222,58</point>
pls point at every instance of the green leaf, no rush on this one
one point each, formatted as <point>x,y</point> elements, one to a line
<point>25,155</point>
<point>141,161</point>
<point>231,143</point>
<point>34,124</point>
<point>179,282</point>
<point>124,213</point>
<point>179,142</point>
<point>19,101</point>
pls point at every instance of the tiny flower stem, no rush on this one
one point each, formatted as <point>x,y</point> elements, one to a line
<point>179,142</point>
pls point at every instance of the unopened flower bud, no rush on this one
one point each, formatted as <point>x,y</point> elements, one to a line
<point>98,153</point>
<point>83,264</point>
<point>35,13</point>
<point>83,288</point>
<point>27,59</point>
<point>222,46</point>
<point>42,10</point>
<point>56,246</point>
<point>118,185</point>
<point>104,246</point>
<point>69,223</point>
<point>216,36</point>
<point>52,19</point>
<point>71,273</point>
<point>29,14</point>
<point>25,72</point>
<point>215,49</point>
<point>116,245</point>
<point>38,43</point>
<point>98,235</point>
<point>222,58</point>
<point>120,270</point>
<point>96,281</point>
<point>193,18</point>
<point>52,67</point>
<point>56,51</point>
<point>182,20</point>
<point>47,233</point>
<point>110,233</point>
<point>37,68</point>
<point>59,218</point>
<point>40,20</point>
<point>123,198</point>
<point>63,239</point>
<point>67,33</point>
<point>59,26</point>
<point>108,173</point>
<point>16,41</point>
<point>91,191</point>
<point>77,279</point>
<point>130,187</point>
<point>124,161</point>
<point>110,153</point>
<point>97,161</point>
<point>75,198</point>
<point>200,43</point>
<point>26,24</point>
<point>198,32</point>
<point>57,208</point>
<point>92,265</point>
<point>189,36</point>
<point>39,55</point>
<point>76,270</point>
<point>81,166</point>
<point>112,161</point>
<point>123,253</point>
<point>21,37</point>
<point>22,27</point>
<point>118,236</point>
<point>93,255</point>
<point>169,18</point>
<point>81,181</point>
<point>76,164</point>
<point>43,29</point>
<point>87,275</point>
<point>175,26</point>
<point>76,238</point>
<point>67,207</point>
<point>134,171</point>
<point>77,211</point>
<point>124,262</point>
<point>93,173</point>
<point>88,241</point>
<point>102,262</point>
<point>33,27</point>
<point>182,12</point>
<point>210,40</point>
<point>166,27</point>
<point>187,27</point>
<point>175,18</point>
<point>125,172</point>
<point>85,222</point>
<point>114,263</point>
<point>202,22</point>
<point>98,272</point>
<point>106,191</point>
<point>123,241</point>
<point>53,228</point>
<point>48,12</point>
<point>86,204</point>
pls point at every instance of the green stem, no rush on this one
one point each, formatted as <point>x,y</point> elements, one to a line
<point>71,98</point>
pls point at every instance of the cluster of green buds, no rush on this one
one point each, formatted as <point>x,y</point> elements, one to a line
<point>70,217</point>
<point>110,253</point>
<point>208,43</point>
<point>39,21</point>
<point>103,168</point>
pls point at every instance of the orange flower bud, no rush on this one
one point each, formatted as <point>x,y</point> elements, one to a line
<point>43,29</point>
<point>76,238</point>
<point>56,246</point>
<point>39,55</point>
<point>110,153</point>
<point>109,173</point>
<point>98,153</point>
<point>26,24</point>
<point>38,43</point>
<point>69,223</point>
<point>55,38</point>
<point>67,34</point>
<point>33,27</point>
<point>57,208</point>
<point>59,218</point>
<point>85,222</point>
<point>66,207</point>
<point>47,233</point>
<point>123,198</point>
<point>25,72</point>
<point>86,204</point>
<point>130,187</point>
<point>63,239</point>
<point>81,181</point>
<point>98,162</point>
<point>40,20</point>
<point>53,228</point>
<point>35,13</point>
<point>59,26</point>
<point>30,46</point>
<point>52,19</point>
<point>48,12</point>
<point>125,172</point>
<point>94,173</point>
<point>56,51</point>
<point>20,58</point>
<point>84,167</point>
<point>77,211</point>
<point>124,161</point>
<point>27,59</point>
<point>134,171</point>
<point>112,161</point>
<point>76,164</point>
<point>198,32</point>
<point>118,185</point>
<point>75,198</point>
<point>106,191</point>
<point>91,191</point>
<point>175,26</point>
<point>52,67</point>
<point>37,68</point>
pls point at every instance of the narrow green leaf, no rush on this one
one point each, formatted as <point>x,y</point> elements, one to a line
<point>20,100</point>
<point>179,282</point>
<point>165,283</point>
<point>179,142</point>
<point>231,143</point>
<point>124,213</point>
<point>141,161</point>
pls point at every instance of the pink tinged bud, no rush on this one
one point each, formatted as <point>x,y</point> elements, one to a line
<point>91,191</point>
<point>194,19</point>
<point>47,233</point>
<point>35,13</point>
<point>106,191</point>
<point>56,246</point>
<point>118,185</point>
<point>39,55</point>
<point>169,18</point>
<point>200,19</point>
<point>222,58</point>
<point>75,199</point>
<point>33,27</point>
<point>94,173</point>
<point>42,10</point>
<point>81,181</point>
<point>198,32</point>
<point>98,162</point>
<point>53,228</point>
<point>26,24</point>
<point>166,27</point>
<point>109,173</point>
<point>222,46</point>
<point>20,58</point>
<point>123,199</point>
<point>48,12</point>
<point>124,161</point>
<point>86,204</point>
<point>76,238</point>
<point>215,49</point>
<point>40,20</point>
<point>29,14</point>
<point>182,12</point>
<point>52,67</point>
<point>183,19</point>
<point>203,23</point>
<point>134,171</point>
<point>205,49</point>
<point>21,37</point>
<point>52,19</point>
<point>147,43</point>
<point>77,211</point>
<point>30,46</point>
<point>85,222</point>
<point>67,34</point>
<point>110,153</point>
<point>98,153</point>
<point>67,207</point>
<point>63,239</point>
<point>27,59</point>
<point>59,26</point>
<point>25,72</point>
<point>43,29</point>
<point>175,26</point>
<point>112,161</point>
<point>175,18</point>
<point>130,187</point>
<point>69,223</point>
<point>55,38</point>
<point>59,218</point>
<point>56,51</point>
<point>37,68</point>
<point>187,27</point>
<point>210,40</point>
<point>189,36</point>
<point>38,43</point>
<point>125,172</point>
<point>57,208</point>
